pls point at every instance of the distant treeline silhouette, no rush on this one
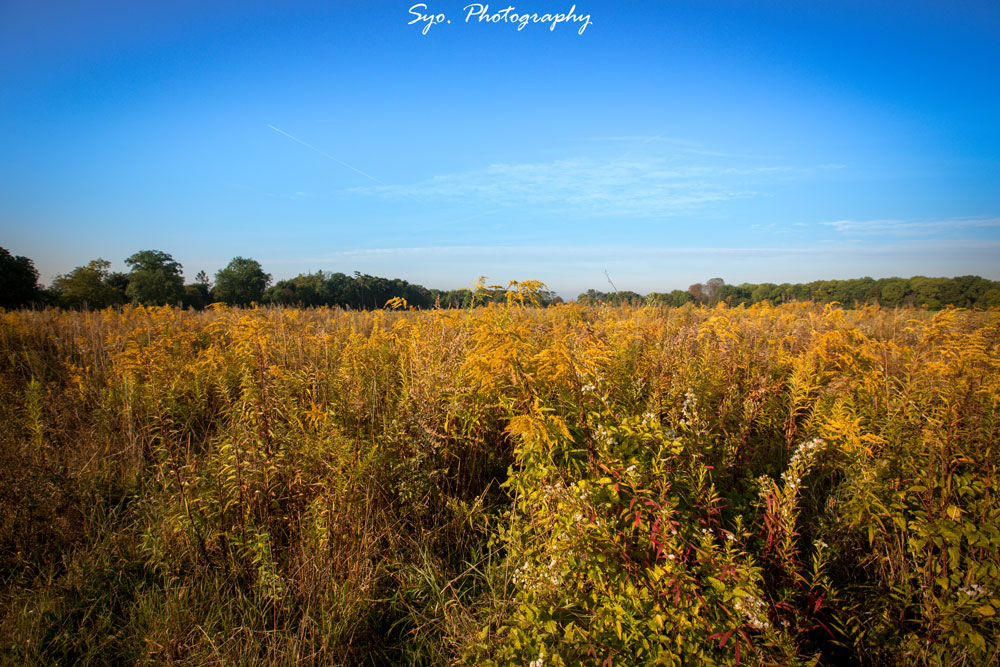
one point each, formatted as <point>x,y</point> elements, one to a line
<point>918,291</point>
<point>155,278</point>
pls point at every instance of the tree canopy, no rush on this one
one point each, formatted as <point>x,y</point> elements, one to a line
<point>18,280</point>
<point>155,279</point>
<point>89,286</point>
<point>241,283</point>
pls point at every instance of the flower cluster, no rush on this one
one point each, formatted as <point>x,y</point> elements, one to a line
<point>602,434</point>
<point>554,490</point>
<point>689,409</point>
<point>806,450</point>
<point>974,590</point>
<point>527,577</point>
<point>799,464</point>
<point>755,611</point>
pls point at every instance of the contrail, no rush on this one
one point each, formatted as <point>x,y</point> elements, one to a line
<point>324,154</point>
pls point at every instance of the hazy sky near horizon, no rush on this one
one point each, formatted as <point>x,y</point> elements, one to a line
<point>669,143</point>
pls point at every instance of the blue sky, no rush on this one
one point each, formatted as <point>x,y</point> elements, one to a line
<point>671,142</point>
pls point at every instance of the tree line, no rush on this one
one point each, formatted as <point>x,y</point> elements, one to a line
<point>155,278</point>
<point>915,292</point>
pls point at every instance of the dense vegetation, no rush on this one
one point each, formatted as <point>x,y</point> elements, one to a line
<point>918,291</point>
<point>155,279</point>
<point>500,485</point>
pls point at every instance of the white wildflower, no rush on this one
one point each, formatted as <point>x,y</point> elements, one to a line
<point>755,611</point>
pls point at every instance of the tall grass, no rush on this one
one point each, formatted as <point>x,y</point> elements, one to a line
<point>508,485</point>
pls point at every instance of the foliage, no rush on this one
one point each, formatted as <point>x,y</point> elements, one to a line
<point>593,297</point>
<point>154,278</point>
<point>18,280</point>
<point>500,484</point>
<point>918,291</point>
<point>241,283</point>
<point>337,289</point>
<point>88,286</point>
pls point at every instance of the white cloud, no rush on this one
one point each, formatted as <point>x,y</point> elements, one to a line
<point>909,227</point>
<point>628,187</point>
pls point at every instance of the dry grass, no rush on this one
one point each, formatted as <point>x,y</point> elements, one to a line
<point>505,484</point>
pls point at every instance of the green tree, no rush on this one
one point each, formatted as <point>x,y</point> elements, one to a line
<point>193,297</point>
<point>118,281</point>
<point>203,285</point>
<point>765,292</point>
<point>154,278</point>
<point>197,295</point>
<point>932,293</point>
<point>243,281</point>
<point>18,281</point>
<point>732,294</point>
<point>87,286</point>
<point>893,291</point>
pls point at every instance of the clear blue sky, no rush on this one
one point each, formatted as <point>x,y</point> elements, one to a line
<point>671,142</point>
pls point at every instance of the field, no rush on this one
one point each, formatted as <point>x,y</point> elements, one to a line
<point>500,485</point>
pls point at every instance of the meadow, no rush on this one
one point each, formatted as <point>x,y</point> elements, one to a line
<point>608,485</point>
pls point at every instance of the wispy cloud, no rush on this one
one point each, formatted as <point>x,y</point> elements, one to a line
<point>324,154</point>
<point>634,187</point>
<point>903,228</point>
<point>684,146</point>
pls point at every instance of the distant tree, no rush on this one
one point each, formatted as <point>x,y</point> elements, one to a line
<point>194,297</point>
<point>198,294</point>
<point>972,290</point>
<point>203,284</point>
<point>118,281</point>
<point>243,281</point>
<point>154,279</point>
<point>549,298</point>
<point>626,297</point>
<point>764,292</point>
<point>18,281</point>
<point>591,297</point>
<point>711,288</point>
<point>707,292</point>
<point>305,289</point>
<point>732,294</point>
<point>88,286</point>
<point>457,298</point>
<point>929,292</point>
<point>892,291</point>
<point>678,297</point>
<point>963,291</point>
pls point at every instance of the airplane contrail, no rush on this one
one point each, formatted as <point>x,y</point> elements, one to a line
<point>324,154</point>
